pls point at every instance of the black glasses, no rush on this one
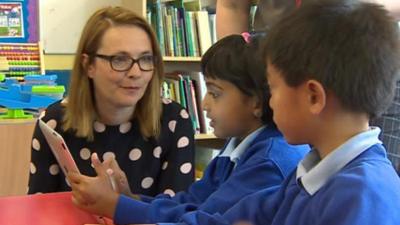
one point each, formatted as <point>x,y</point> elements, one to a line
<point>123,63</point>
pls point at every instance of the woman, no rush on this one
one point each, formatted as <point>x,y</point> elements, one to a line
<point>114,109</point>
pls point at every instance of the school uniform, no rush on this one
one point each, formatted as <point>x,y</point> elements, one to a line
<point>389,122</point>
<point>262,160</point>
<point>354,185</point>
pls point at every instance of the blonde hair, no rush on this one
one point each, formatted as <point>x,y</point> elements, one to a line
<point>80,111</point>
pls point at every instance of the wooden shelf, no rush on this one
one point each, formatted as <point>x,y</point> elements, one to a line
<point>205,136</point>
<point>185,1</point>
<point>181,59</point>
<point>209,141</point>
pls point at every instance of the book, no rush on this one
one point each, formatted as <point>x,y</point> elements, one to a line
<point>182,91</point>
<point>159,25</point>
<point>190,104</point>
<point>196,47</point>
<point>201,90</point>
<point>189,33</point>
<point>175,86</point>
<point>213,28</point>
<point>195,105</point>
<point>203,28</point>
<point>182,32</point>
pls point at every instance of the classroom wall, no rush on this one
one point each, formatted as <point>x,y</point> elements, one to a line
<point>61,22</point>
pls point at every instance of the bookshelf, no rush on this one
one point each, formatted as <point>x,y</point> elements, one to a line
<point>205,136</point>
<point>183,27</point>
<point>181,59</point>
<point>184,30</point>
<point>205,143</point>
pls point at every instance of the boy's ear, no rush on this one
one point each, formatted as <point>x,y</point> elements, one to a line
<point>316,96</point>
<point>87,66</point>
<point>257,107</point>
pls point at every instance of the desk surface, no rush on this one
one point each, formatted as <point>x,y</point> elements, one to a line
<point>43,209</point>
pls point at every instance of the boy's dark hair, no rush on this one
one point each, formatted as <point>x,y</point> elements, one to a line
<point>351,47</point>
<point>234,60</point>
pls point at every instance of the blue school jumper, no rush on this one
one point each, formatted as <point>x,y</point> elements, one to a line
<point>262,160</point>
<point>354,185</point>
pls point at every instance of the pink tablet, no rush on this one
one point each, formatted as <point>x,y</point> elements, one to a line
<point>59,148</point>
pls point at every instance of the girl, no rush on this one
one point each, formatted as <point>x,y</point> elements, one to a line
<point>255,157</point>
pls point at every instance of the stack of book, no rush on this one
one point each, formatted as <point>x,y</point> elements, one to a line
<point>188,89</point>
<point>183,28</point>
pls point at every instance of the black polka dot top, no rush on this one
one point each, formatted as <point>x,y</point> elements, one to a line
<point>152,166</point>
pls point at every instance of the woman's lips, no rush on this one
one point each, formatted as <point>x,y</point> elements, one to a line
<point>131,89</point>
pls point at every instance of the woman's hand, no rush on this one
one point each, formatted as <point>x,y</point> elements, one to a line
<point>94,194</point>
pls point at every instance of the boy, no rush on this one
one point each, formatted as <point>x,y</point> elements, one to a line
<point>256,157</point>
<point>332,66</point>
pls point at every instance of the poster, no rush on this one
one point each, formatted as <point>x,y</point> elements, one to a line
<point>19,21</point>
<point>11,20</point>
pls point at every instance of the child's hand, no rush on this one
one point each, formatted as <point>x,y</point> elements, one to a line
<point>119,176</point>
<point>94,194</point>
<point>116,174</point>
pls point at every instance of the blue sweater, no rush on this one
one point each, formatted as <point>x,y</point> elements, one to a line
<point>364,191</point>
<point>264,165</point>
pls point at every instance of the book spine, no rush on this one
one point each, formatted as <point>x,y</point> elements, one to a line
<point>160,26</point>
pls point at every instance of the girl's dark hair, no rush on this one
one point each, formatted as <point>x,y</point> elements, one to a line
<point>234,60</point>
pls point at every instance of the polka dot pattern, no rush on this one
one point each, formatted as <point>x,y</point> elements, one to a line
<point>186,168</point>
<point>169,192</point>
<point>149,163</point>
<point>183,142</point>
<point>32,168</point>
<point>125,127</point>
<point>52,123</point>
<point>135,154</point>
<point>184,114</point>
<point>164,166</point>
<point>99,127</point>
<point>54,169</point>
<point>85,153</point>
<point>172,125</point>
<point>108,155</point>
<point>147,182</point>
<point>36,144</point>
<point>157,152</point>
